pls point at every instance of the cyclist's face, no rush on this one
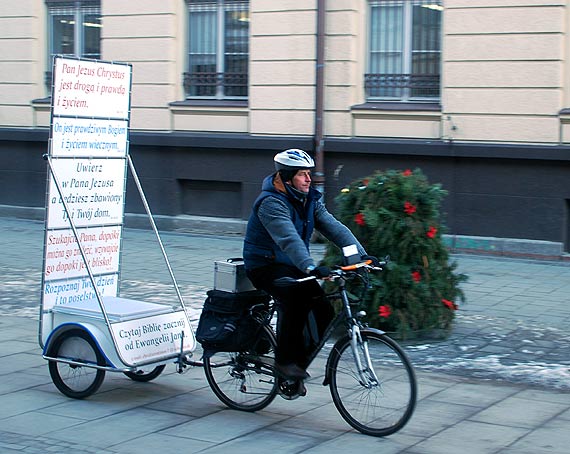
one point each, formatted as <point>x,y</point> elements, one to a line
<point>302,181</point>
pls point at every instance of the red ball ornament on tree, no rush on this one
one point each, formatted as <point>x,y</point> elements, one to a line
<point>384,311</point>
<point>409,208</point>
<point>449,304</point>
<point>359,219</point>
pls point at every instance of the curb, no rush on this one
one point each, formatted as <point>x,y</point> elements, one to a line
<point>205,225</point>
<point>188,224</point>
<point>506,247</point>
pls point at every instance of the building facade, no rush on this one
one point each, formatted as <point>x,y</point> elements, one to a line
<point>476,93</point>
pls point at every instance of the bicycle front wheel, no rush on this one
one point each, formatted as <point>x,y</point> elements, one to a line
<point>377,401</point>
<point>244,380</point>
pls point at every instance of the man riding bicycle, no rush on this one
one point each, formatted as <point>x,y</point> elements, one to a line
<point>277,245</point>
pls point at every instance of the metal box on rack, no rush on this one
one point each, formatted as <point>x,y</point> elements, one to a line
<point>229,276</point>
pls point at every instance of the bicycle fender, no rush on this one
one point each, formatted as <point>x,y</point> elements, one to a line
<point>102,341</point>
<point>373,330</point>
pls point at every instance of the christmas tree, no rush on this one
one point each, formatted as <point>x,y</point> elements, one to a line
<point>396,214</point>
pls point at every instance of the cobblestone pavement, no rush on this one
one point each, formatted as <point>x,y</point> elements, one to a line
<point>513,326</point>
<point>499,384</point>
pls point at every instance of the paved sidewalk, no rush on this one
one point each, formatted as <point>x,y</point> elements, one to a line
<point>499,384</point>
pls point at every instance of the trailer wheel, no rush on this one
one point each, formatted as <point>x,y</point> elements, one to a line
<point>143,375</point>
<point>76,381</point>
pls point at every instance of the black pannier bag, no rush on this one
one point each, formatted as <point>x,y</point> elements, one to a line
<point>226,323</point>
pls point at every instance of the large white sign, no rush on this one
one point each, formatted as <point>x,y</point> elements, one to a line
<point>152,338</point>
<point>63,259</point>
<point>88,149</point>
<point>86,137</point>
<point>93,189</point>
<point>91,89</point>
<point>77,290</point>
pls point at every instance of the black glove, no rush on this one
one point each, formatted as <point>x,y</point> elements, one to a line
<point>321,272</point>
<point>374,260</point>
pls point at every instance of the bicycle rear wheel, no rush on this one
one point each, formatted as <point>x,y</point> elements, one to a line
<point>244,380</point>
<point>384,401</point>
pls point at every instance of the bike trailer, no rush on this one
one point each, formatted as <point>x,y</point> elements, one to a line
<point>143,332</point>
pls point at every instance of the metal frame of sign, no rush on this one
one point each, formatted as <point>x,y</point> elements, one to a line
<point>88,160</point>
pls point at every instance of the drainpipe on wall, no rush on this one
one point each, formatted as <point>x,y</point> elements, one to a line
<point>319,174</point>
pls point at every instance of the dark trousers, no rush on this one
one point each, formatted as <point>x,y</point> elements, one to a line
<point>294,305</point>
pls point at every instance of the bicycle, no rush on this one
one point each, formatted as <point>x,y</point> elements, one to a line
<point>371,380</point>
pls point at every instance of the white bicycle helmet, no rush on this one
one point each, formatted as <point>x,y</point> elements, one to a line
<point>293,159</point>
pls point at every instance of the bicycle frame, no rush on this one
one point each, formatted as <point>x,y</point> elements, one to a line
<point>366,372</point>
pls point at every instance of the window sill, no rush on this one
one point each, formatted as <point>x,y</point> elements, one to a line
<point>398,106</point>
<point>397,111</point>
<point>42,102</point>
<point>193,103</point>
<point>564,115</point>
<point>41,111</point>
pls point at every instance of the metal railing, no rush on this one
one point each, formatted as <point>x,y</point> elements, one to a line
<point>402,86</point>
<point>216,85</point>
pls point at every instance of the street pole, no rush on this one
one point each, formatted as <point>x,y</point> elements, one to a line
<point>319,174</point>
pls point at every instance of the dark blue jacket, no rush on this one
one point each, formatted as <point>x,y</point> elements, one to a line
<point>282,223</point>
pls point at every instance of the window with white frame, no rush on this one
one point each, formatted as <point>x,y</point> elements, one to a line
<point>404,56</point>
<point>74,29</point>
<point>218,49</point>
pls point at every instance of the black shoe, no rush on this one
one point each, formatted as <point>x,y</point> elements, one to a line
<point>291,389</point>
<point>291,371</point>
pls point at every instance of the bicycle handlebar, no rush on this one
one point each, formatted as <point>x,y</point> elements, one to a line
<point>366,264</point>
<point>335,273</point>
